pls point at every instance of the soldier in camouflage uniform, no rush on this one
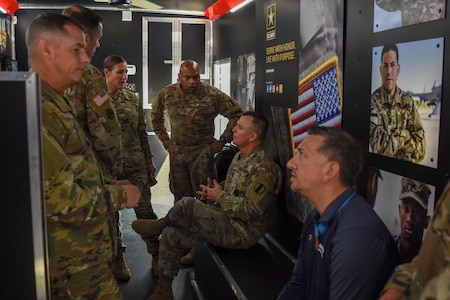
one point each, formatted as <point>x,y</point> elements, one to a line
<point>427,276</point>
<point>415,11</point>
<point>78,203</point>
<point>395,126</point>
<point>235,217</point>
<point>96,114</point>
<point>138,166</point>
<point>192,107</point>
<point>90,101</point>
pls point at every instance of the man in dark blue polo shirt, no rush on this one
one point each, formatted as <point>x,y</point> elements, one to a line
<point>346,251</point>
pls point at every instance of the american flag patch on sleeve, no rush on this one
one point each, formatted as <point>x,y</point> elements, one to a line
<point>319,101</point>
<point>101,98</point>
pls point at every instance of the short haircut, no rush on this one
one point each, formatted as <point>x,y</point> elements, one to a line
<point>259,122</point>
<point>86,17</point>
<point>189,62</point>
<point>46,25</point>
<point>340,146</point>
<point>387,48</point>
<point>112,60</point>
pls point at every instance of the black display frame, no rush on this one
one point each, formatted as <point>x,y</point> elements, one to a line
<point>360,40</point>
<point>24,227</point>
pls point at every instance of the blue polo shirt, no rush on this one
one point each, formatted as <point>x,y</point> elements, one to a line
<point>355,255</point>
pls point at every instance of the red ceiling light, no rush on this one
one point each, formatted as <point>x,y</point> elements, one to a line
<point>9,6</point>
<point>220,8</point>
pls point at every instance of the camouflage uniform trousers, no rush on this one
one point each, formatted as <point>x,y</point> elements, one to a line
<point>190,166</point>
<point>91,284</point>
<point>143,210</point>
<point>191,222</point>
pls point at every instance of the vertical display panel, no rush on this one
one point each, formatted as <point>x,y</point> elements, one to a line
<point>24,224</point>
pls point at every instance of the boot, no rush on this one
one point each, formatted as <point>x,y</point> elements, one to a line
<point>155,267</point>
<point>189,258</point>
<point>163,289</point>
<point>149,227</point>
<point>120,268</point>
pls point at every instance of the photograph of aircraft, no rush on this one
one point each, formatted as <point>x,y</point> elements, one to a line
<point>430,98</point>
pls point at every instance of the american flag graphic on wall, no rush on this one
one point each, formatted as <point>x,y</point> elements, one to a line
<point>319,101</point>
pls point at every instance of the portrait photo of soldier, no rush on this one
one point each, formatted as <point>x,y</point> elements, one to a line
<point>389,14</point>
<point>406,206</point>
<point>406,82</point>
<point>414,218</point>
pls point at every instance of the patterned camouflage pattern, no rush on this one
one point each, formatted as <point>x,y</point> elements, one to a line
<point>238,222</point>
<point>192,115</point>
<point>95,112</point>
<point>103,285</point>
<point>415,11</point>
<point>137,154</point>
<point>192,130</point>
<point>78,203</point>
<point>395,126</point>
<point>428,275</point>
<point>190,166</point>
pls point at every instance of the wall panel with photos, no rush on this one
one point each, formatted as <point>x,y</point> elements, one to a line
<point>7,51</point>
<point>406,135</point>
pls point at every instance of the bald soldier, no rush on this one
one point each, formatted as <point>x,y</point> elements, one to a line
<point>235,215</point>
<point>192,107</point>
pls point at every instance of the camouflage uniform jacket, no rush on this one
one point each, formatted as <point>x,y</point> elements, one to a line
<point>77,202</point>
<point>415,11</point>
<point>136,148</point>
<point>192,115</point>
<point>95,112</point>
<point>250,193</point>
<point>395,126</point>
<point>429,272</point>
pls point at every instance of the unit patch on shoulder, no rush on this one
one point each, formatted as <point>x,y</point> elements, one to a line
<point>231,103</point>
<point>109,113</point>
<point>257,190</point>
<point>101,98</point>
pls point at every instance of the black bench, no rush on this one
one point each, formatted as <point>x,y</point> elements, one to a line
<point>257,273</point>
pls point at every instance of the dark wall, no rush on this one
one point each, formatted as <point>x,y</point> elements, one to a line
<point>234,35</point>
<point>119,37</point>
